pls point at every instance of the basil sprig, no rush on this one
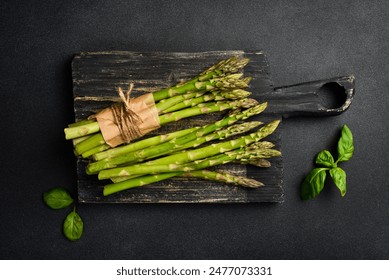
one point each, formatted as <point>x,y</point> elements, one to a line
<point>314,182</point>
<point>60,198</point>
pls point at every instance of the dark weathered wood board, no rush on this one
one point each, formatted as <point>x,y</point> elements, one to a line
<point>95,79</point>
<point>97,75</point>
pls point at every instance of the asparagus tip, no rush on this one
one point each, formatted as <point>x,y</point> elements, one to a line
<point>249,102</point>
<point>261,162</point>
<point>250,183</point>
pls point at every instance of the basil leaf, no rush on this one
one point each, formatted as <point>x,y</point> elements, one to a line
<point>345,144</point>
<point>57,198</point>
<point>73,226</point>
<point>339,177</point>
<point>325,158</point>
<point>313,184</point>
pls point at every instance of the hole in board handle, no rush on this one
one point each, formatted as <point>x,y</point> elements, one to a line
<point>332,95</point>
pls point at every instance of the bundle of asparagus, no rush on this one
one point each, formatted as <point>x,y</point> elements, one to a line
<point>219,83</point>
<point>184,152</point>
<point>177,164</point>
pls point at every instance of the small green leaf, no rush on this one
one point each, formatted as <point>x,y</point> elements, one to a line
<point>313,184</point>
<point>325,158</point>
<point>57,198</point>
<point>73,226</point>
<point>345,144</point>
<point>339,177</point>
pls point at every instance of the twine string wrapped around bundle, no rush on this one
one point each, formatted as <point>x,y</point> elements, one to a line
<point>128,120</point>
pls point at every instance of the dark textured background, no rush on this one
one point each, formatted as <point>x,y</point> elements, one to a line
<point>304,40</point>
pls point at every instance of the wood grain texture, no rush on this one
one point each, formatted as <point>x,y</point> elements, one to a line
<point>96,77</point>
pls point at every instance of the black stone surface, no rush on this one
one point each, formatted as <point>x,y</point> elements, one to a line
<point>303,40</point>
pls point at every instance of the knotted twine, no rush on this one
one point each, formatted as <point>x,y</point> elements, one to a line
<point>128,120</point>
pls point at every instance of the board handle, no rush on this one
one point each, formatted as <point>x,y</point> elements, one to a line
<point>306,99</point>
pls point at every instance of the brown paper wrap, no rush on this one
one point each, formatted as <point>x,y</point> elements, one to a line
<point>129,120</point>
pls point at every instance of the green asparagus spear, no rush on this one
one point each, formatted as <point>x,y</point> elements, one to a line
<point>229,82</point>
<point>173,144</point>
<point>80,139</point>
<point>167,103</point>
<point>94,141</point>
<point>96,150</point>
<point>238,154</point>
<point>224,178</point>
<point>254,154</point>
<point>215,95</point>
<point>137,182</point>
<point>151,141</point>
<point>207,108</point>
<point>219,134</point>
<point>230,65</point>
<point>222,68</point>
<point>204,174</point>
<point>260,162</point>
<point>82,130</point>
<point>196,154</point>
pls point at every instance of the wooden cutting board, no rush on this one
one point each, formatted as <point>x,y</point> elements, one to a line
<point>97,75</point>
